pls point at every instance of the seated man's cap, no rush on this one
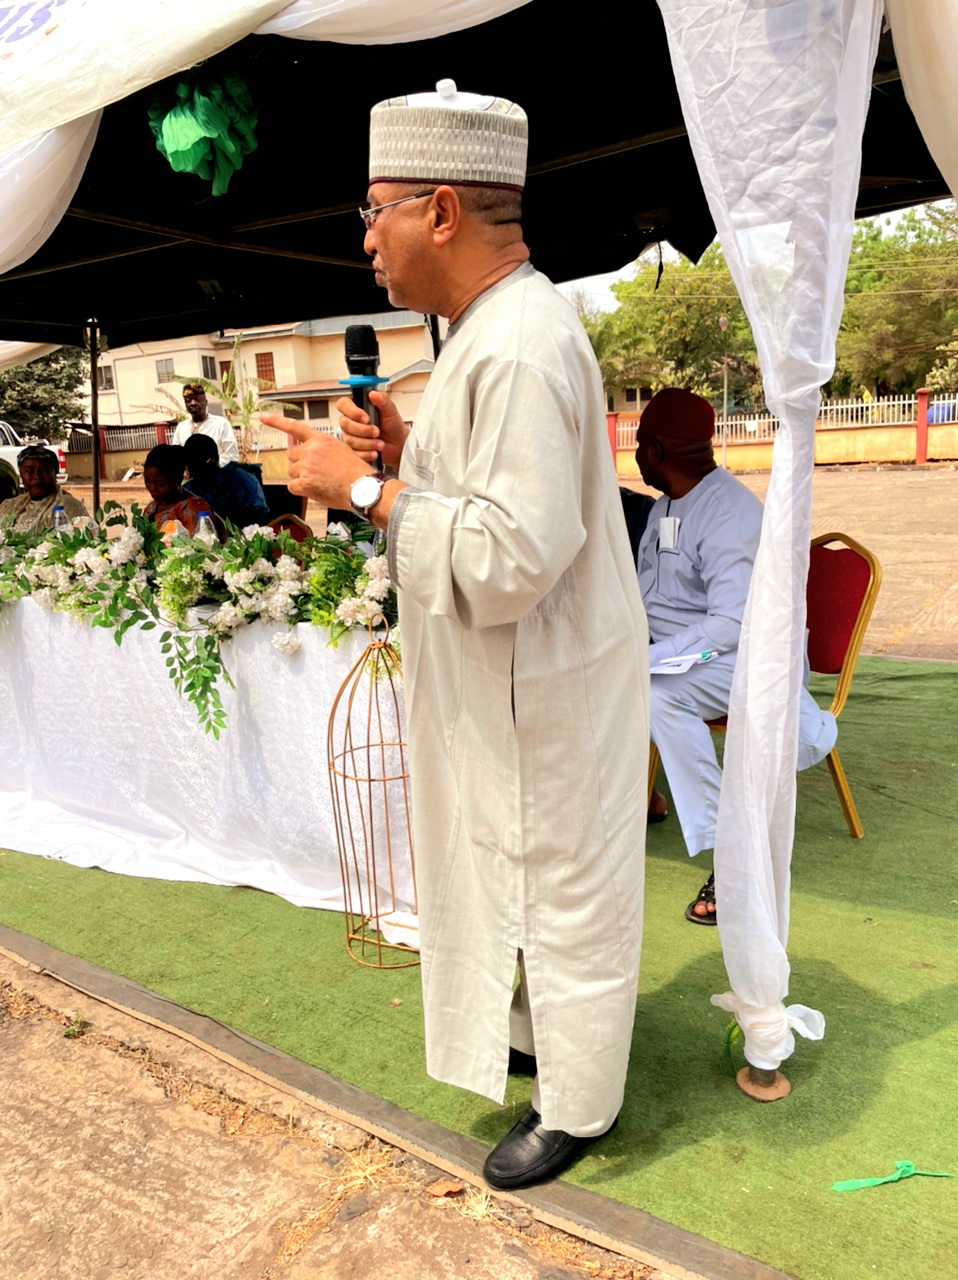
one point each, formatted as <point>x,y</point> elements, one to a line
<point>448,136</point>
<point>677,414</point>
<point>40,452</point>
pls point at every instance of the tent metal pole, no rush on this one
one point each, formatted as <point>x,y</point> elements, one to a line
<point>93,330</point>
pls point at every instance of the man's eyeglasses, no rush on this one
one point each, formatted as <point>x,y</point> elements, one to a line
<point>370,212</point>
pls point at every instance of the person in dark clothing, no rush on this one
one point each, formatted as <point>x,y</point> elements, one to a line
<point>635,509</point>
<point>231,492</point>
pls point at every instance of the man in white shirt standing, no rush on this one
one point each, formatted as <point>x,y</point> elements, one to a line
<point>205,423</point>
<point>524,649</point>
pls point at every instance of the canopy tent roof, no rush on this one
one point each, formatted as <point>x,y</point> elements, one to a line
<point>153,255</point>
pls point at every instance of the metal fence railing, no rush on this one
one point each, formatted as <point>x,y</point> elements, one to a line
<point>625,428</point>
<point>741,427</point>
<point>943,409</point>
<point>270,438</point>
<point>885,411</point>
<point>130,439</point>
<point>78,441</point>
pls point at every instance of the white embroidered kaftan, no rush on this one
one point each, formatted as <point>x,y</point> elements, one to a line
<point>526,675</point>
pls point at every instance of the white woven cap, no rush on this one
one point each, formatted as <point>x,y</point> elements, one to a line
<point>448,136</point>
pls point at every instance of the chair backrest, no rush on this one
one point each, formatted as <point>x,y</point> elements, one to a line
<point>281,502</point>
<point>842,587</point>
<point>292,524</point>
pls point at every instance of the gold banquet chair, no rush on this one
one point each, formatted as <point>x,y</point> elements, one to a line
<point>843,584</point>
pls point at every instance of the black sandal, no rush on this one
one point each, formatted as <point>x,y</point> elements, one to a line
<point>706,895</point>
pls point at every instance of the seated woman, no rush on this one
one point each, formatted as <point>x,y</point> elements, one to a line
<point>163,476</point>
<point>33,509</point>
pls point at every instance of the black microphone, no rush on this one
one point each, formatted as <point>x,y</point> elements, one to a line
<point>362,361</point>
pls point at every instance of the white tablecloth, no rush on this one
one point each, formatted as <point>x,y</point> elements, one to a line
<point>103,764</point>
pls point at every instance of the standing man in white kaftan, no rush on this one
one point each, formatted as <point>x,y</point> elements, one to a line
<point>524,647</point>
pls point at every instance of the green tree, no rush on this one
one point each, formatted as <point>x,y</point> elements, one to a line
<point>40,398</point>
<point>670,335</point>
<point>901,306</point>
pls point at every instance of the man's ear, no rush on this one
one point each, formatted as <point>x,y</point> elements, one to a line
<point>446,213</point>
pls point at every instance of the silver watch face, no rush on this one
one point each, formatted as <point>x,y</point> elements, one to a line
<point>364,491</point>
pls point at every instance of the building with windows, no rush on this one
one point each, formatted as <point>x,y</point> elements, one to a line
<point>298,365</point>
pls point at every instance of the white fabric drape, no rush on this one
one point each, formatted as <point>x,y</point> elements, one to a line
<point>14,353</point>
<point>37,182</point>
<point>104,50</point>
<point>94,52</point>
<point>128,781</point>
<point>774,94</point>
<point>382,21</point>
<point>925,33</point>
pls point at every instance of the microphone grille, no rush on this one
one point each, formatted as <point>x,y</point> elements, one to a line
<point>361,341</point>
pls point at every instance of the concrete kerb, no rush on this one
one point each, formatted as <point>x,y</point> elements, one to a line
<point>597,1219</point>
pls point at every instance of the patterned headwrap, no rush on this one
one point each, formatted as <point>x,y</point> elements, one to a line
<point>448,136</point>
<point>41,453</point>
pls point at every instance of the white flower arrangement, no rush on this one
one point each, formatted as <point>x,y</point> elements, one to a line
<point>135,579</point>
<point>286,642</point>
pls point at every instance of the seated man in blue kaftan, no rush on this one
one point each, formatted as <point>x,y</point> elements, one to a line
<point>694,564</point>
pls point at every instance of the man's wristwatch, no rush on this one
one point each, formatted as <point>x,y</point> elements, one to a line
<point>364,493</point>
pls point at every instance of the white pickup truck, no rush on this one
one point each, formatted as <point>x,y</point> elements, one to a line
<point>10,446</point>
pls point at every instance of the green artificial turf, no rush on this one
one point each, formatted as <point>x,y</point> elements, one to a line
<point>872,946</point>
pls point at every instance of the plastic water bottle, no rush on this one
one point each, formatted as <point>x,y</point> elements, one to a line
<point>61,521</point>
<point>204,531</point>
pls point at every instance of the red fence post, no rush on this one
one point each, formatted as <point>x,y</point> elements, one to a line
<point>611,421</point>
<point>921,428</point>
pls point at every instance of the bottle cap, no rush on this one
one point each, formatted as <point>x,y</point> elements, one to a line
<point>58,507</point>
<point>202,514</point>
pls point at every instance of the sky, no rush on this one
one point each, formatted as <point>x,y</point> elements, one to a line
<point>597,290</point>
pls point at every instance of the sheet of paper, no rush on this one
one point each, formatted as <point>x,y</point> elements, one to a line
<point>676,666</point>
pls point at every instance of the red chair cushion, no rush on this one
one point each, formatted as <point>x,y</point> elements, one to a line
<point>837,582</point>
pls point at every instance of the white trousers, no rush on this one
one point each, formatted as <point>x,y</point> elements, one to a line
<point>521,1038</point>
<point>679,705</point>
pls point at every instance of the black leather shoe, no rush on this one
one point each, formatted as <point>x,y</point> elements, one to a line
<point>529,1154</point>
<point>521,1064</point>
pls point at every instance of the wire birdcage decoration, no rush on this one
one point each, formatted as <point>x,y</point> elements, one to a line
<point>369,778</point>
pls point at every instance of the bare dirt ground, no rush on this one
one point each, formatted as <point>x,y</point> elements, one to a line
<point>128,1154</point>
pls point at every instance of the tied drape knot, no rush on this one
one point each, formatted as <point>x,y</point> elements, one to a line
<point>768,1028</point>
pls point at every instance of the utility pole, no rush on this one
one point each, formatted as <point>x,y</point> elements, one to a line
<point>723,325</point>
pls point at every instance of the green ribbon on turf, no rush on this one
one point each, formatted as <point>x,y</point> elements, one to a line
<point>903,1169</point>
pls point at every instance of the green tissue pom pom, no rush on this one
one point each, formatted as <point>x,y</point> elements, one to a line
<point>206,128</point>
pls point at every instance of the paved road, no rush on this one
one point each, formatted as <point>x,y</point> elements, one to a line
<point>909,519</point>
